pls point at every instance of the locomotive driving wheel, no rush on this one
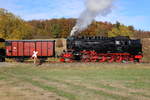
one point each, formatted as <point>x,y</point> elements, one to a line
<point>103,59</point>
<point>111,59</point>
<point>119,59</point>
<point>93,56</point>
<point>85,58</point>
<point>94,59</point>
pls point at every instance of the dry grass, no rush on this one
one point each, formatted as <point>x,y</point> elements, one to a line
<point>75,81</point>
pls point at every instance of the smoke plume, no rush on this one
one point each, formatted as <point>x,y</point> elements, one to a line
<point>93,9</point>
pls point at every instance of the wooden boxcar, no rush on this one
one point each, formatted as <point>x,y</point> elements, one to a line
<point>21,49</point>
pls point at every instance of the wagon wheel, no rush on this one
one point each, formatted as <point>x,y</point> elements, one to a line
<point>42,60</point>
<point>19,59</point>
<point>1,60</point>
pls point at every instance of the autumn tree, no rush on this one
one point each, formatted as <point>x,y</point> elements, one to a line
<point>56,30</point>
<point>120,30</point>
<point>13,27</point>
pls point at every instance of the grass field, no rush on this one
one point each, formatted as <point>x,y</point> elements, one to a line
<point>76,81</point>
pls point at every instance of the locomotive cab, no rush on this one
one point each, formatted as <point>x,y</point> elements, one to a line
<point>2,50</point>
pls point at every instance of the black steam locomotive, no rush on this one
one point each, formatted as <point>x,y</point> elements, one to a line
<point>101,49</point>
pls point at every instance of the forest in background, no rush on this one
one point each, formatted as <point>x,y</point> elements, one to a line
<point>13,27</point>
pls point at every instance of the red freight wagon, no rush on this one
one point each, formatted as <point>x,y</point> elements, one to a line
<point>21,49</point>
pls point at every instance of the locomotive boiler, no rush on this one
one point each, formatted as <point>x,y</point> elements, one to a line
<point>102,49</point>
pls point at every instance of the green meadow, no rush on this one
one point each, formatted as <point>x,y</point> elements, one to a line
<point>75,81</point>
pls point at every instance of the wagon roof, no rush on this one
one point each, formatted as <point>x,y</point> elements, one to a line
<point>30,40</point>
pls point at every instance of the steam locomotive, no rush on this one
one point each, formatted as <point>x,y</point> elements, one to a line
<point>79,48</point>
<point>102,49</point>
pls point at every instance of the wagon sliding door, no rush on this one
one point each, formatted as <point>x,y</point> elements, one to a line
<point>45,48</point>
<point>29,47</point>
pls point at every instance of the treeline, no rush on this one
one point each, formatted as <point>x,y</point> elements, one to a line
<point>13,27</point>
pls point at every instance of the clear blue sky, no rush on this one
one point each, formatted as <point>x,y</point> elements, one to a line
<point>128,12</point>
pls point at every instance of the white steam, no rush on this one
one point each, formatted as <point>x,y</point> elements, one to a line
<point>93,9</point>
